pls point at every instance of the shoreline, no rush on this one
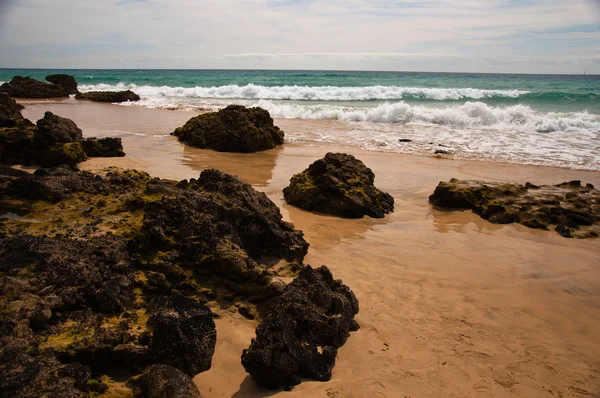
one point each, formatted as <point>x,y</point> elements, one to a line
<point>450,304</point>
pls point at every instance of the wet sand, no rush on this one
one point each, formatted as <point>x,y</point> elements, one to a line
<point>451,305</point>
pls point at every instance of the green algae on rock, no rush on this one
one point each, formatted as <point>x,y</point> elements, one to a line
<point>341,185</point>
<point>103,147</point>
<point>115,273</point>
<point>570,208</point>
<point>233,129</point>
<point>108,96</point>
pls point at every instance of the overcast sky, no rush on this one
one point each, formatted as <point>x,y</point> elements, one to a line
<point>529,36</point>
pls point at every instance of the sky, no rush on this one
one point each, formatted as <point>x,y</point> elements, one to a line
<point>504,36</point>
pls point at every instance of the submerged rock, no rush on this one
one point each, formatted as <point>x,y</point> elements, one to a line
<point>10,111</point>
<point>573,209</point>
<point>67,82</point>
<point>164,381</point>
<point>109,96</point>
<point>300,336</point>
<point>233,129</point>
<point>103,147</point>
<point>341,185</point>
<point>26,87</point>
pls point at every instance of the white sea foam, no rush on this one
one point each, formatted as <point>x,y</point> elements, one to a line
<point>303,93</point>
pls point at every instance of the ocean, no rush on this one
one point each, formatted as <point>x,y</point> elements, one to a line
<point>551,120</point>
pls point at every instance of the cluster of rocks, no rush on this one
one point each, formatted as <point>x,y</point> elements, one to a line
<point>61,86</point>
<point>570,208</point>
<point>52,141</point>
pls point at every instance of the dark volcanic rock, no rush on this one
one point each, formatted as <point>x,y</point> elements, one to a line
<point>109,96</point>
<point>10,111</point>
<point>59,154</point>
<point>341,185</point>
<point>300,336</point>
<point>164,381</point>
<point>67,82</point>
<point>570,206</point>
<point>16,145</point>
<point>233,129</point>
<point>53,129</point>
<point>26,87</point>
<point>103,147</point>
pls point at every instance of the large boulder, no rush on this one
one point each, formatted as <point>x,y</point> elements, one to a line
<point>53,129</point>
<point>341,185</point>
<point>103,147</point>
<point>67,82</point>
<point>233,129</point>
<point>300,336</point>
<point>109,96</point>
<point>570,208</point>
<point>164,381</point>
<point>10,111</point>
<point>26,87</point>
<point>70,154</point>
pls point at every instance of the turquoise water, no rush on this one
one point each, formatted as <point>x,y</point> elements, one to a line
<point>529,119</point>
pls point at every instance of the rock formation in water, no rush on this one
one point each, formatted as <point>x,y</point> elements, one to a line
<point>233,129</point>
<point>299,338</point>
<point>67,82</point>
<point>570,208</point>
<point>108,96</point>
<point>104,275</point>
<point>26,87</point>
<point>341,185</point>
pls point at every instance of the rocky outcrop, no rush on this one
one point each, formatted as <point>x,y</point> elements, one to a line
<point>109,274</point>
<point>67,82</point>
<point>10,111</point>
<point>341,185</point>
<point>103,147</point>
<point>53,129</point>
<point>109,96</point>
<point>26,87</point>
<point>233,129</point>
<point>573,210</point>
<point>163,381</point>
<point>299,338</point>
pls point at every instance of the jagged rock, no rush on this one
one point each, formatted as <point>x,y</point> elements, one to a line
<point>67,82</point>
<point>53,129</point>
<point>233,129</point>
<point>109,96</point>
<point>341,185</point>
<point>103,147</point>
<point>164,381</point>
<point>300,336</point>
<point>58,154</point>
<point>26,87</point>
<point>10,111</point>
<point>570,206</point>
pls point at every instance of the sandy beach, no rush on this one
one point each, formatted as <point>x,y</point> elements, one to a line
<point>450,304</point>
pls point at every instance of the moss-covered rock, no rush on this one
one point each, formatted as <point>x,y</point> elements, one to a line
<point>108,96</point>
<point>10,111</point>
<point>233,129</point>
<point>103,147</point>
<point>571,209</point>
<point>26,87</point>
<point>163,381</point>
<point>69,154</point>
<point>67,82</point>
<point>341,185</point>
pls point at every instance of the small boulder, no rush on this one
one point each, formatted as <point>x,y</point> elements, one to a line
<point>70,154</point>
<point>164,381</point>
<point>341,185</point>
<point>26,87</point>
<point>103,147</point>
<point>233,129</point>
<point>67,82</point>
<point>10,111</point>
<point>109,96</point>
<point>300,336</point>
<point>53,129</point>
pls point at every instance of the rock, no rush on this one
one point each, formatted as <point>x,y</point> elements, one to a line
<point>299,338</point>
<point>58,154</point>
<point>10,111</point>
<point>53,129</point>
<point>67,82</point>
<point>26,87</point>
<point>441,152</point>
<point>341,185</point>
<point>404,140</point>
<point>16,145</point>
<point>108,96</point>
<point>233,129</point>
<point>246,312</point>
<point>570,205</point>
<point>164,381</point>
<point>12,172</point>
<point>183,333</point>
<point>103,147</point>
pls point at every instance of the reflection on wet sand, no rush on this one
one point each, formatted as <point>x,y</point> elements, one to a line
<point>446,221</point>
